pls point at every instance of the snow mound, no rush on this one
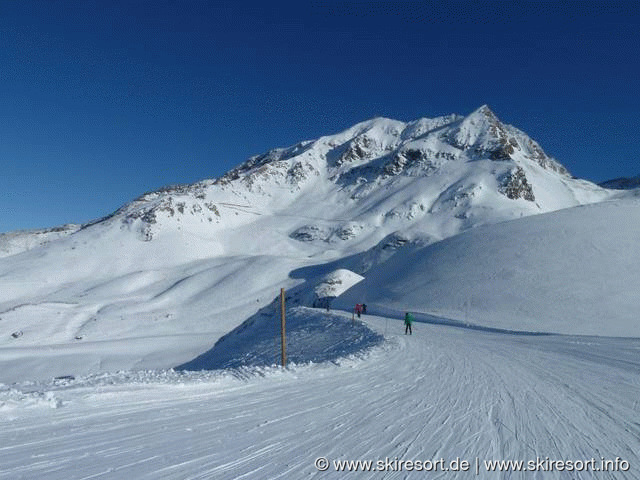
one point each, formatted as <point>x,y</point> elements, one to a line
<point>336,282</point>
<point>574,271</point>
<point>312,336</point>
<point>12,399</point>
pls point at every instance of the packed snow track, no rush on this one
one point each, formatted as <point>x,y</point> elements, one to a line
<point>442,393</point>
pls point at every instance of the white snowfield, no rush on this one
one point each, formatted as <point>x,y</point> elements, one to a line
<point>574,271</point>
<point>22,240</point>
<point>441,395</point>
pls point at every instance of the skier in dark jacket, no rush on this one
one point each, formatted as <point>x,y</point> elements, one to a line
<point>408,320</point>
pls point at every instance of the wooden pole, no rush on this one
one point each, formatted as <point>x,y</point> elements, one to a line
<point>282,328</point>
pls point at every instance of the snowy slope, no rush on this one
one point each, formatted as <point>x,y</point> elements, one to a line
<point>195,261</point>
<point>13,243</point>
<point>309,338</point>
<point>442,393</point>
<point>574,271</point>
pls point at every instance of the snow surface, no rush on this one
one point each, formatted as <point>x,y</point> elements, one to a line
<point>309,338</point>
<point>443,392</point>
<point>574,271</point>
<point>13,243</point>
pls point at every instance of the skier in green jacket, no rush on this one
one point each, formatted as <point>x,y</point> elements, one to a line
<point>408,320</point>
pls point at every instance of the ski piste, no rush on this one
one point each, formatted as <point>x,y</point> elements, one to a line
<point>444,393</point>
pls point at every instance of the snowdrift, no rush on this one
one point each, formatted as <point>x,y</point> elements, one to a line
<point>574,271</point>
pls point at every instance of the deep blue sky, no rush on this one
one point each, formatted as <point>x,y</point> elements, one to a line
<point>101,101</point>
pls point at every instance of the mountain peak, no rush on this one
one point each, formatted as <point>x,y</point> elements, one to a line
<point>480,129</point>
<point>485,110</point>
<point>483,114</point>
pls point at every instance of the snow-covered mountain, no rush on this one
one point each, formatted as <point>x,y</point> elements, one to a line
<point>437,216</point>
<point>20,241</point>
<point>441,175</point>
<point>374,178</point>
<point>188,263</point>
<point>622,183</point>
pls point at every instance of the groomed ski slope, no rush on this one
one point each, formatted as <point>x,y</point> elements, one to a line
<point>444,392</point>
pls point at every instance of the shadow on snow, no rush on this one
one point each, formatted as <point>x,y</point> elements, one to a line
<point>313,335</point>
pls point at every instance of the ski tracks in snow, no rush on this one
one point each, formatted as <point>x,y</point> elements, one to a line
<point>443,392</point>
